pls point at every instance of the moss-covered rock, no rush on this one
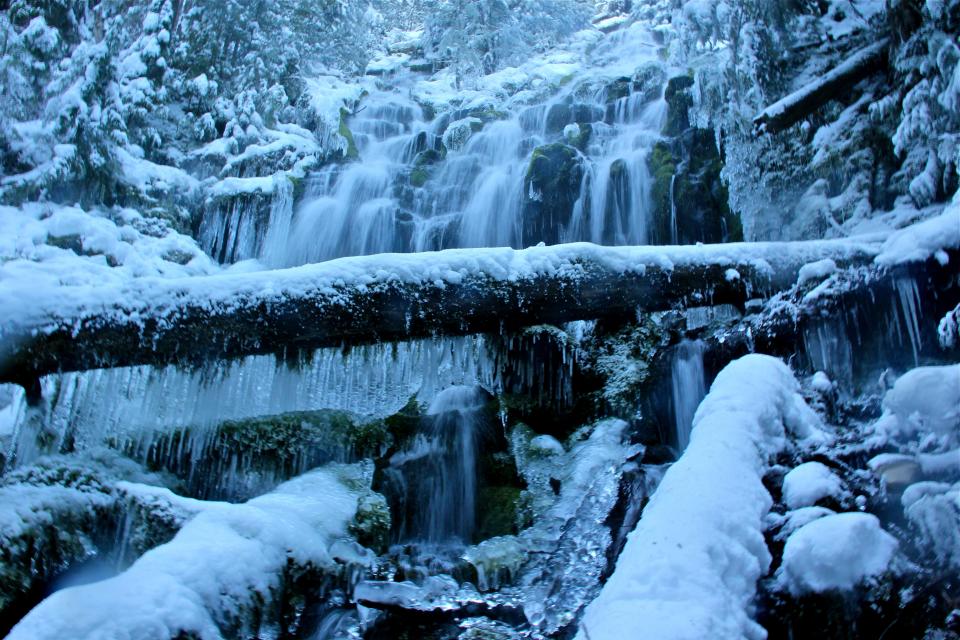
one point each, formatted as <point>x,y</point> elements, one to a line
<point>371,524</point>
<point>649,80</point>
<point>351,151</point>
<point>551,186</point>
<point>619,88</point>
<point>689,199</point>
<point>243,458</point>
<point>422,164</point>
<point>578,135</point>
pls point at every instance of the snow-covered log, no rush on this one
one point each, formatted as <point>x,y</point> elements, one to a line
<point>690,568</point>
<point>837,82</point>
<point>382,298</point>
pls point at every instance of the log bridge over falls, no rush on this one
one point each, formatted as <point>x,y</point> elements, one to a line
<point>386,298</point>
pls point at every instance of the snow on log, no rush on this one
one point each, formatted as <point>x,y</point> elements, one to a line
<point>837,82</point>
<point>382,298</point>
<point>220,572</point>
<point>690,568</point>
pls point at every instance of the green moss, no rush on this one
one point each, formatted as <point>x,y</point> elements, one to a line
<point>352,152</point>
<point>371,524</point>
<point>497,509</point>
<point>662,168</point>
<point>419,176</point>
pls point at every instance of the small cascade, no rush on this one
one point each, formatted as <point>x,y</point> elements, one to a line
<point>274,246</point>
<point>437,474</point>
<point>674,233</point>
<point>688,387</point>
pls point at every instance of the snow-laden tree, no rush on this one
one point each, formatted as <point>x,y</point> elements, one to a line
<point>483,36</point>
<point>101,100</point>
<point>887,139</point>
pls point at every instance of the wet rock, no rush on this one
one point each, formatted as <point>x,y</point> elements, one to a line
<point>459,132</point>
<point>562,114</point>
<point>551,187</point>
<point>679,101</point>
<point>649,80</point>
<point>619,88</point>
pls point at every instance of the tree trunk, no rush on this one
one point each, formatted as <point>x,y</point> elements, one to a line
<point>835,83</point>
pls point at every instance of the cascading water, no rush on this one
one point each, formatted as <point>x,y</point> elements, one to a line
<point>464,179</point>
<point>688,387</point>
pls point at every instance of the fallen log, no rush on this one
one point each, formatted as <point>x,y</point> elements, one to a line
<point>383,298</point>
<point>388,298</point>
<point>835,83</point>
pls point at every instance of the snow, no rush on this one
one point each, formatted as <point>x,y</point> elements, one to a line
<point>809,483</point>
<point>836,552</point>
<point>821,382</point>
<point>933,510</point>
<point>815,271</point>
<point>924,239</point>
<point>28,302</point>
<point>546,445</point>
<point>48,249</point>
<point>216,568</point>
<point>690,568</point>
<point>793,520</point>
<point>925,400</point>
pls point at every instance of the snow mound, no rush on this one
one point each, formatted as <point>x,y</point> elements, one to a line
<point>925,400</point>
<point>216,569</point>
<point>836,552</point>
<point>690,568</point>
<point>933,509</point>
<point>810,482</point>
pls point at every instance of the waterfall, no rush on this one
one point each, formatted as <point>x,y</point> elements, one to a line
<point>688,387</point>
<point>419,187</point>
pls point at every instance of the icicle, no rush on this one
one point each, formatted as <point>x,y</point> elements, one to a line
<point>274,250</point>
<point>138,404</point>
<point>908,295</point>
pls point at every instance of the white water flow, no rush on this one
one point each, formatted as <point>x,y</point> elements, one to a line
<point>688,387</point>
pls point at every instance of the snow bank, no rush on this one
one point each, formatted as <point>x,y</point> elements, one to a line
<point>809,483</point>
<point>219,566</point>
<point>690,568</point>
<point>836,552</point>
